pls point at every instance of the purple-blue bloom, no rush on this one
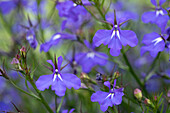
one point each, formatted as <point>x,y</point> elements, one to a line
<point>8,5</point>
<point>91,58</point>
<point>159,16</point>
<point>106,99</point>
<point>154,43</point>
<point>31,37</point>
<point>69,9</point>
<point>55,39</point>
<point>115,38</point>
<point>58,81</point>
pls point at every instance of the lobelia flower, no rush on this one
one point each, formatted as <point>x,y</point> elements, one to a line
<point>106,99</point>
<point>91,58</point>
<point>116,37</point>
<point>31,37</point>
<point>159,16</point>
<point>58,80</point>
<point>6,6</point>
<point>154,43</point>
<point>69,9</point>
<point>55,39</point>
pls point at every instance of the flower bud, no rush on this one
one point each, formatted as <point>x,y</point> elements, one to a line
<point>23,51</point>
<point>147,102</point>
<point>16,63</point>
<point>84,76</point>
<point>138,93</point>
<point>116,75</point>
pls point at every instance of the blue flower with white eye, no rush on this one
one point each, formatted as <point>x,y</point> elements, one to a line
<point>57,80</point>
<point>106,99</point>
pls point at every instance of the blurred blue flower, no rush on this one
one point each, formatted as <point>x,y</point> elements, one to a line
<point>58,80</point>
<point>55,39</point>
<point>9,5</point>
<point>91,58</point>
<point>66,111</point>
<point>154,43</point>
<point>106,99</point>
<point>158,16</point>
<point>31,37</point>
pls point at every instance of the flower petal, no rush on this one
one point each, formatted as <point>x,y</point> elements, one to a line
<point>99,96</point>
<point>51,62</point>
<point>60,60</point>
<point>107,83</point>
<point>149,16</point>
<point>44,82</point>
<point>102,36</point>
<point>115,46</point>
<point>59,87</point>
<point>154,2</point>
<point>161,2</point>
<point>128,37</point>
<point>71,80</point>
<point>117,98</point>
<point>148,38</point>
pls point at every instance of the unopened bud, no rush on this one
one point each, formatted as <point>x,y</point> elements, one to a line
<point>16,63</point>
<point>17,56</point>
<point>116,75</point>
<point>23,51</point>
<point>138,93</point>
<point>147,102</point>
<point>155,98</point>
<point>84,76</point>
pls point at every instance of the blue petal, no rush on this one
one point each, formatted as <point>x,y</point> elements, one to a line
<point>60,60</point>
<point>128,37</point>
<point>115,46</point>
<point>102,36</point>
<point>99,96</point>
<point>161,2</point>
<point>44,82</point>
<point>59,87</point>
<point>71,80</point>
<point>149,16</point>
<point>148,38</point>
<point>154,2</point>
<point>51,62</point>
<point>107,83</point>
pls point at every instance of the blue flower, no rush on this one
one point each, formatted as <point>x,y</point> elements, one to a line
<point>106,99</point>
<point>55,39</point>
<point>115,38</point>
<point>8,5</point>
<point>91,58</point>
<point>58,81</point>
<point>158,16</point>
<point>154,43</point>
<point>31,37</point>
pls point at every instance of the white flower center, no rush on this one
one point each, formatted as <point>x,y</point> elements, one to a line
<point>74,4</point>
<point>30,37</point>
<point>157,40</point>
<point>56,37</point>
<point>159,12</point>
<point>57,75</point>
<point>115,32</point>
<point>110,94</point>
<point>90,55</point>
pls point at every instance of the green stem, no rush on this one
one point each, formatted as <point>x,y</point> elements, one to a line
<point>42,98</point>
<point>152,67</point>
<point>58,109</point>
<point>24,91</point>
<point>133,72</point>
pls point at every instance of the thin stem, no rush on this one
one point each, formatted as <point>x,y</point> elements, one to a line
<point>133,72</point>
<point>151,68</point>
<point>24,91</point>
<point>42,98</point>
<point>58,109</point>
